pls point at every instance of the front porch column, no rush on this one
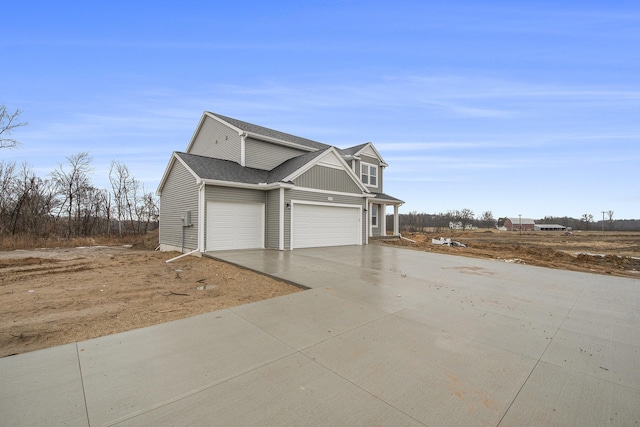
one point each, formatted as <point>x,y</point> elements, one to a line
<point>396,221</point>
<point>382,218</point>
<point>369,216</point>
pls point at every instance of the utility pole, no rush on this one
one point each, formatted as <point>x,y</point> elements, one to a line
<point>603,212</point>
<point>520,215</point>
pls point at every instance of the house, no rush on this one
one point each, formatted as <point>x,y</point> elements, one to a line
<point>517,224</point>
<point>459,226</point>
<point>240,185</point>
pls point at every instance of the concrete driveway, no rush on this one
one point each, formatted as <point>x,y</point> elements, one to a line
<point>385,336</point>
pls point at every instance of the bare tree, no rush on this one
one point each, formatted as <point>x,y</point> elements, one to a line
<point>610,215</point>
<point>25,201</point>
<point>9,122</point>
<point>72,184</point>
<point>133,207</point>
<point>487,220</point>
<point>586,219</point>
<point>466,216</point>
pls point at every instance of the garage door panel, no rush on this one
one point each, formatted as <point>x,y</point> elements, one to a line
<point>235,225</point>
<point>320,225</point>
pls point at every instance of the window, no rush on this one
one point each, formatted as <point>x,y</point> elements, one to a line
<point>374,216</point>
<point>369,174</point>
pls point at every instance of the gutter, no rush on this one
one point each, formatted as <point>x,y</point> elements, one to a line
<point>259,186</point>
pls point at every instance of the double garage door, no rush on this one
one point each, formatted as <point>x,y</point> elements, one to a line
<point>320,225</point>
<point>233,225</point>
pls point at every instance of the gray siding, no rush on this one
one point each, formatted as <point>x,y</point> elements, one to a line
<point>322,198</point>
<point>217,140</point>
<point>326,178</point>
<point>272,222</point>
<point>266,156</point>
<point>372,161</point>
<point>230,194</point>
<point>179,194</point>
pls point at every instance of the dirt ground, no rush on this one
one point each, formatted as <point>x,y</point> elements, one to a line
<point>50,297</point>
<point>612,253</point>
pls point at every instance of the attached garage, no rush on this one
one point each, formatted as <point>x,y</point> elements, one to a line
<point>233,225</point>
<point>318,225</point>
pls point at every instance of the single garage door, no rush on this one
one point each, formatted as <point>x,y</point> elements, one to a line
<point>234,225</point>
<point>319,225</point>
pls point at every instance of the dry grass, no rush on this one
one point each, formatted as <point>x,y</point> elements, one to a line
<point>20,242</point>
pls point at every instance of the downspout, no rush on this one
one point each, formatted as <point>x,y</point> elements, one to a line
<point>182,255</point>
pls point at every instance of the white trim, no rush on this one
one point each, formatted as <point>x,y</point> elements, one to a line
<point>167,171</point>
<point>243,149</point>
<point>338,205</point>
<point>272,186</point>
<point>249,134</point>
<point>281,221</point>
<point>281,142</point>
<point>329,165</point>
<point>369,216</point>
<point>369,166</point>
<point>210,114</point>
<point>339,193</point>
<point>370,145</point>
<point>377,224</point>
<point>201,215</point>
<point>383,232</point>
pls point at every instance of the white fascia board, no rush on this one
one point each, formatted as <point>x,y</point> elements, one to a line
<point>335,193</point>
<point>271,186</point>
<point>383,201</point>
<point>279,141</point>
<point>370,145</point>
<point>345,167</point>
<point>165,175</point>
<point>237,129</point>
<point>209,115</point>
<point>195,133</point>
<point>174,157</point>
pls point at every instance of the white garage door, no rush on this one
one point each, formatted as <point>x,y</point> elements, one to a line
<point>234,225</point>
<point>318,225</point>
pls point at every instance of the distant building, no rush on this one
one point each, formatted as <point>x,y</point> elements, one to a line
<point>517,224</point>
<point>550,227</point>
<point>458,226</point>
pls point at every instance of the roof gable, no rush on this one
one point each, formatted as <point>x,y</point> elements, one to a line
<point>328,158</point>
<point>367,149</point>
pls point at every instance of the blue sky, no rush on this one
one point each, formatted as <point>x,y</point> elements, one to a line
<point>515,107</point>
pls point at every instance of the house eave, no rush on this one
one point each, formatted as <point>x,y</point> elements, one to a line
<point>260,186</point>
<point>277,141</point>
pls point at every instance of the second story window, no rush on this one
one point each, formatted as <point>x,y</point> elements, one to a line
<point>369,174</point>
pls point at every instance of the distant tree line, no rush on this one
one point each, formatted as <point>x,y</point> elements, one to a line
<point>67,204</point>
<point>419,221</point>
<point>586,222</point>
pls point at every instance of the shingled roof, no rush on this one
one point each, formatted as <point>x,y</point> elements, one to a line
<point>229,171</point>
<point>222,170</point>
<point>271,133</point>
<point>386,197</point>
